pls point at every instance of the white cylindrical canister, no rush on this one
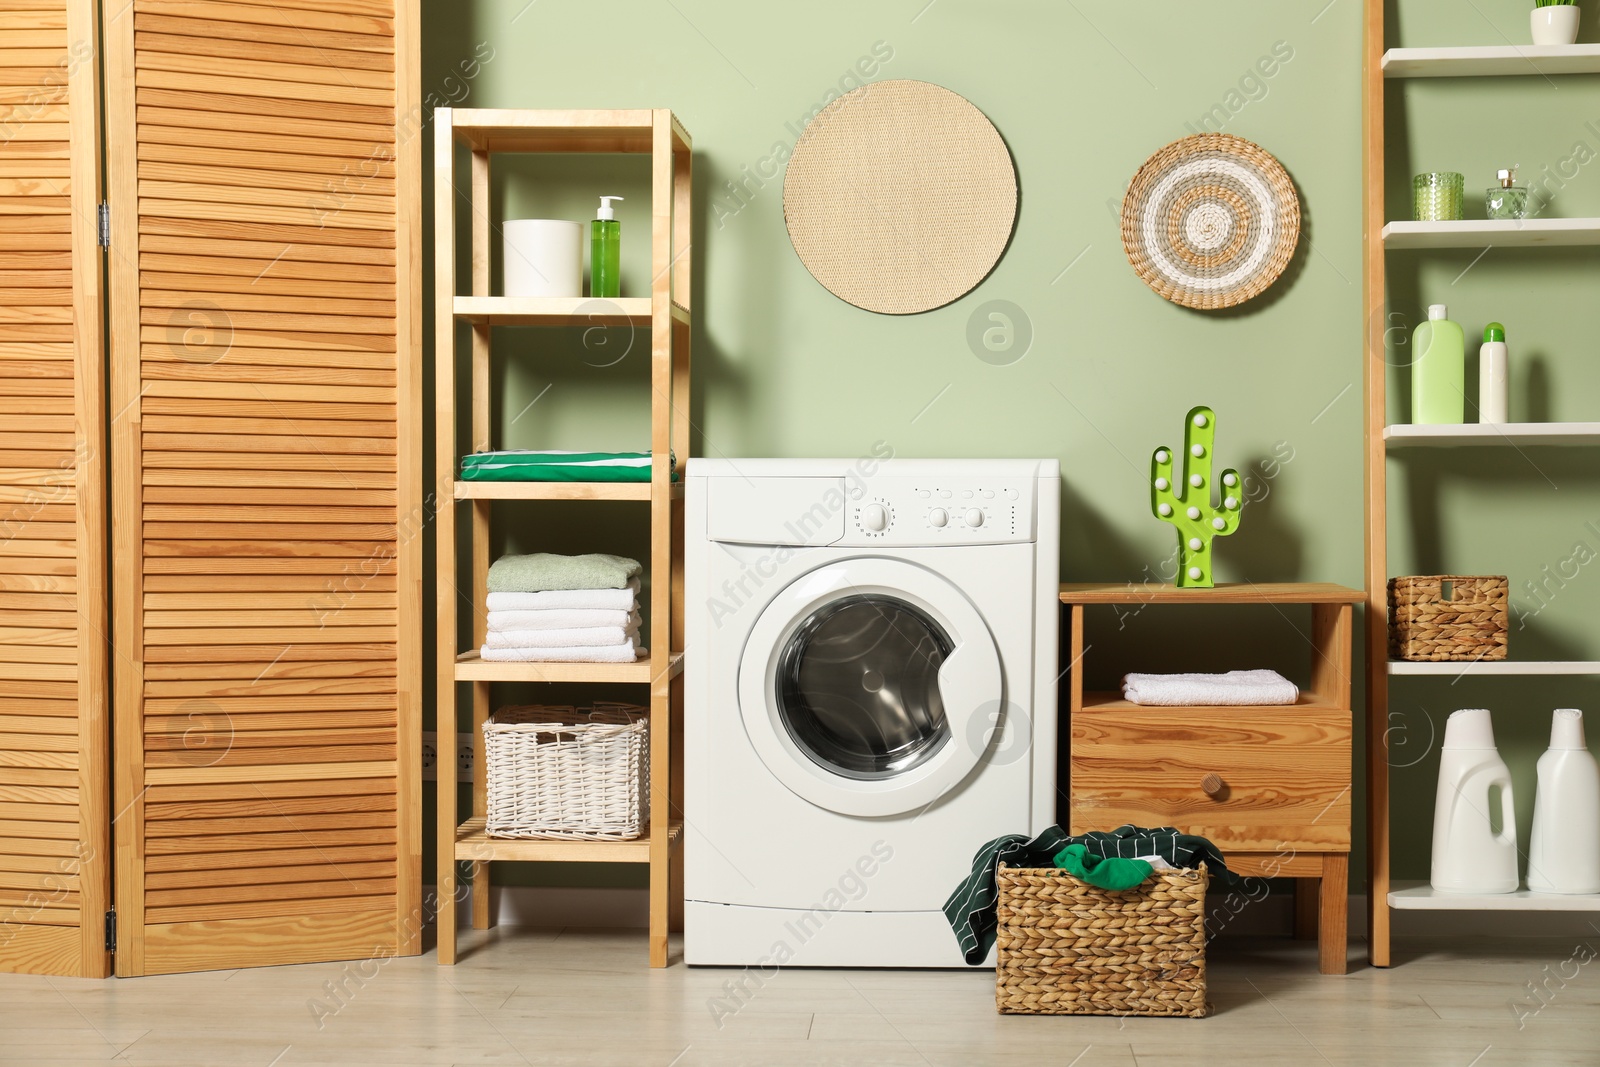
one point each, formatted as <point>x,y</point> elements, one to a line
<point>543,257</point>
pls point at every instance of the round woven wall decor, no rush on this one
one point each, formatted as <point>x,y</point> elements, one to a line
<point>1210,221</point>
<point>900,197</point>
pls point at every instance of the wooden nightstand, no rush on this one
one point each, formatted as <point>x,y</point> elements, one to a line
<point>1270,786</point>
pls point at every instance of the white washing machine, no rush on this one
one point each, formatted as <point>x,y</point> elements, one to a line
<point>870,696</point>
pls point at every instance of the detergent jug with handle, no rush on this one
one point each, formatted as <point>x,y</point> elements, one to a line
<point>1564,849</point>
<point>1469,854</point>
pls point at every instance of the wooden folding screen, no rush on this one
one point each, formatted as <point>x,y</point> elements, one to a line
<point>263,177</point>
<point>54,797</point>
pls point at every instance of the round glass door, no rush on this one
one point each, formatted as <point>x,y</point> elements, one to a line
<point>865,684</point>
<point>858,687</point>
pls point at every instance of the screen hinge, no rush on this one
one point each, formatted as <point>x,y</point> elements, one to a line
<point>102,216</point>
<point>111,930</point>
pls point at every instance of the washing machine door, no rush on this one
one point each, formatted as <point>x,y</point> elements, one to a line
<point>870,686</point>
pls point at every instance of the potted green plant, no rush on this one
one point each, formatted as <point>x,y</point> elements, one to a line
<point>1554,22</point>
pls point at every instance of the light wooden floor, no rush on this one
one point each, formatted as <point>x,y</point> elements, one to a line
<point>584,997</point>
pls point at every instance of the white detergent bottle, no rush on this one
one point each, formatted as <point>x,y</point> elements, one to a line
<point>1564,854</point>
<point>1469,856</point>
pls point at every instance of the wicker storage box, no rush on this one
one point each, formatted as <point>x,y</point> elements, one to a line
<point>1448,617</point>
<point>1068,948</point>
<point>568,772</point>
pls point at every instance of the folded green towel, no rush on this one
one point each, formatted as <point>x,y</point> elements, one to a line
<point>1107,872</point>
<point>545,570</point>
<point>521,465</point>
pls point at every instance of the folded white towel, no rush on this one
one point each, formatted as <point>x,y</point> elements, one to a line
<point>625,653</point>
<point>560,619</point>
<point>1236,688</point>
<point>585,636</point>
<point>624,599</point>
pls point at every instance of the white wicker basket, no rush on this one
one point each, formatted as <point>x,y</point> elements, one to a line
<point>568,772</point>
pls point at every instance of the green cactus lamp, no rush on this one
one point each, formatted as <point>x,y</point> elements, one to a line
<point>1183,498</point>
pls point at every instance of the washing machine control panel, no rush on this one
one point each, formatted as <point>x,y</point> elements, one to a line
<point>930,511</point>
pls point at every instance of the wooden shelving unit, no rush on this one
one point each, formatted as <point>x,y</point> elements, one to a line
<point>1383,236</point>
<point>665,313</point>
<point>1269,785</point>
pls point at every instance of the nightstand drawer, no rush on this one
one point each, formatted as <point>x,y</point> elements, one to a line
<point>1258,779</point>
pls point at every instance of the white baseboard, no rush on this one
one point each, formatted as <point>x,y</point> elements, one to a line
<point>629,908</point>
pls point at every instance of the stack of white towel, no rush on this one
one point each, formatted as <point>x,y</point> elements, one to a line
<point>583,625</point>
<point>547,607</point>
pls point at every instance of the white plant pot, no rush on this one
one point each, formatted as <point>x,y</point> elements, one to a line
<point>1555,25</point>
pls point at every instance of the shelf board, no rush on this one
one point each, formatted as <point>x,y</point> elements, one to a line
<point>1478,233</point>
<point>473,844</point>
<point>1226,593</point>
<point>470,667</point>
<point>1423,897</point>
<point>1490,61</point>
<point>1492,668</point>
<point>1094,702</point>
<point>531,130</point>
<point>560,311</point>
<point>1487,434</point>
<point>558,490</point>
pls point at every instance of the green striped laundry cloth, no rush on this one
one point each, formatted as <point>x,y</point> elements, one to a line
<point>527,465</point>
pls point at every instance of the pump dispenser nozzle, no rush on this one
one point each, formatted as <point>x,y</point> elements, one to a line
<point>606,211</point>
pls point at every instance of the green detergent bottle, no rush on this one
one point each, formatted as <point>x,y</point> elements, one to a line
<point>1438,370</point>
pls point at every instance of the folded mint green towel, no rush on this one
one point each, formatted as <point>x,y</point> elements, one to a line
<point>545,570</point>
<point>1107,872</point>
<point>523,465</point>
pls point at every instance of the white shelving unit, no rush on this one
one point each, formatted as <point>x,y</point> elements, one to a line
<point>1496,668</point>
<point>1484,435</point>
<point>1501,60</point>
<point>1423,897</point>
<point>1505,233</point>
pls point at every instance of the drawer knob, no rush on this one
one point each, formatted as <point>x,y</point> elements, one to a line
<point>1211,784</point>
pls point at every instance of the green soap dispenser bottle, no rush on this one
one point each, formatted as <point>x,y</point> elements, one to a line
<point>1438,369</point>
<point>605,251</point>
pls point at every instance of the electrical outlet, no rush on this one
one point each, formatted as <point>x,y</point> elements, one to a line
<point>430,757</point>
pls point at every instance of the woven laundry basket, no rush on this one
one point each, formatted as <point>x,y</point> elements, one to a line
<point>1448,617</point>
<point>1069,948</point>
<point>568,772</point>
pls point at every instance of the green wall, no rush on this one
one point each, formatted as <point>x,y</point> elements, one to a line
<point>1082,94</point>
<point>1526,513</point>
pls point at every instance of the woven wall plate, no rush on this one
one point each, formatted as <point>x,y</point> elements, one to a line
<point>900,197</point>
<point>1210,221</point>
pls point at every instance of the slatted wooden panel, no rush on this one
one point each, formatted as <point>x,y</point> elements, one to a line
<point>265,321</point>
<point>54,857</point>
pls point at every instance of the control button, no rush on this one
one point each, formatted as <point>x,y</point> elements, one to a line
<point>987,494</point>
<point>855,494</point>
<point>875,517</point>
<point>938,517</point>
<point>974,517</point>
<point>924,493</point>
<point>945,493</point>
<point>966,494</point>
<point>1011,494</point>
